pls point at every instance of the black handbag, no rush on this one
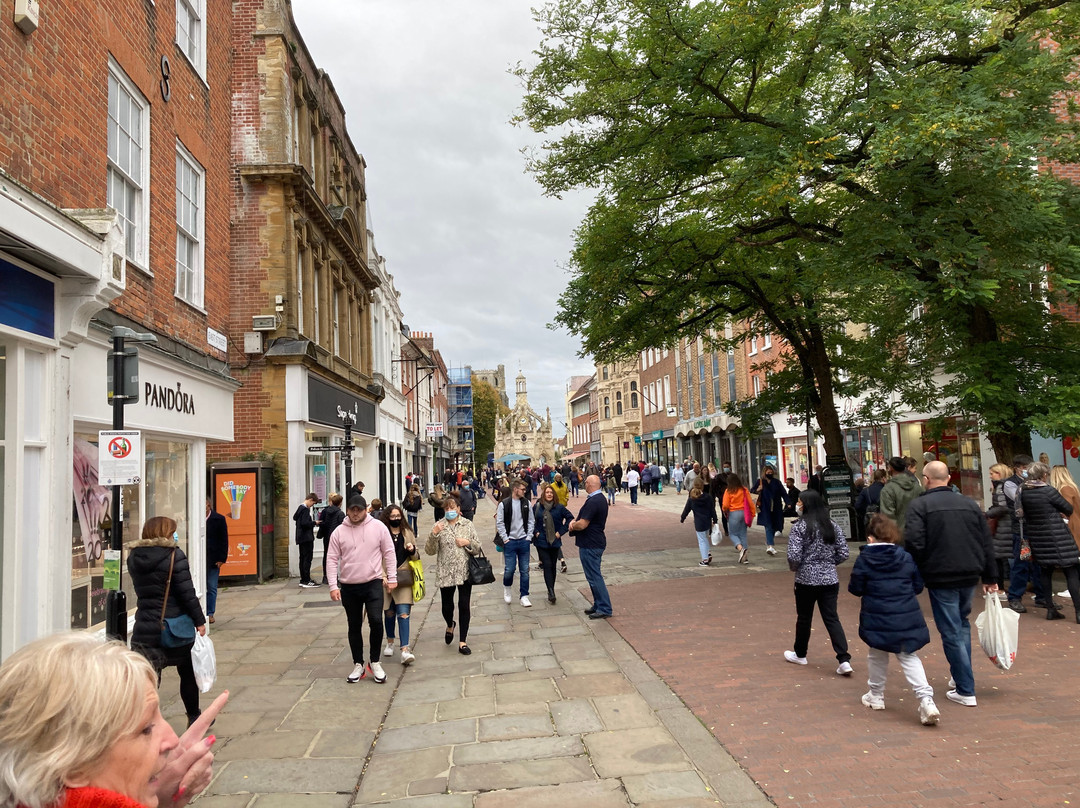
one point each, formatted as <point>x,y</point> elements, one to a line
<point>176,632</point>
<point>480,571</point>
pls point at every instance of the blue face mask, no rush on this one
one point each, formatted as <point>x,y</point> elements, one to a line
<point>1024,474</point>
<point>450,516</point>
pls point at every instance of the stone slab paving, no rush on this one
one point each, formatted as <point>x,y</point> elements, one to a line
<point>549,709</point>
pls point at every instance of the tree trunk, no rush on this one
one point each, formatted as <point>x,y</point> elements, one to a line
<point>1008,444</point>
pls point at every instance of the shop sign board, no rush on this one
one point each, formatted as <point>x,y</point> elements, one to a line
<point>328,403</point>
<point>119,457</point>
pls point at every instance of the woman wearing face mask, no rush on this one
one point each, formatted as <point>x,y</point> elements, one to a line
<point>452,540</point>
<point>770,493</point>
<point>552,520</point>
<point>397,602</point>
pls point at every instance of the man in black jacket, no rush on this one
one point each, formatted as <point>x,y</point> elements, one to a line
<point>305,538</point>
<point>949,538</point>
<point>328,522</point>
<point>217,553</point>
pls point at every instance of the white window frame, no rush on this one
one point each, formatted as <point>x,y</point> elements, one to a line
<point>753,346</point>
<point>766,342</point>
<point>757,386</point>
<point>197,271</point>
<point>193,11</point>
<point>140,218</point>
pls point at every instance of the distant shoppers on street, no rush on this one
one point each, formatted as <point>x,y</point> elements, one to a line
<point>575,482</point>
<point>869,500</point>
<point>656,477</point>
<point>413,504</point>
<point>791,498</point>
<point>551,521</point>
<point>1043,508</point>
<point>452,540</point>
<point>817,481</point>
<point>436,499</point>
<point>633,480</point>
<point>1000,518</point>
<point>1023,571</point>
<point>891,620</point>
<point>361,565</point>
<point>611,485</point>
<point>328,521</point>
<point>900,490</point>
<point>677,478</point>
<point>704,507</point>
<point>562,493</point>
<point>716,489</point>
<point>217,553</point>
<point>947,535</point>
<point>467,498</point>
<point>738,511</point>
<point>816,546</point>
<point>397,602</point>
<point>514,524</point>
<point>645,481</point>
<point>694,471</point>
<point>770,498</point>
<point>305,538</point>
<point>588,531</point>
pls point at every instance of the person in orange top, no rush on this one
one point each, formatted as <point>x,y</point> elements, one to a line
<point>739,511</point>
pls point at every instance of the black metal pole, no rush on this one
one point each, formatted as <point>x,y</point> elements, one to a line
<point>116,600</point>
<point>346,453</point>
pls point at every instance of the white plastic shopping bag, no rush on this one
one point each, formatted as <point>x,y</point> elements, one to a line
<point>999,632</point>
<point>204,662</point>
<point>714,537</point>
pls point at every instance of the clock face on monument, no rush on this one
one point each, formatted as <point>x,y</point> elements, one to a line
<point>524,420</point>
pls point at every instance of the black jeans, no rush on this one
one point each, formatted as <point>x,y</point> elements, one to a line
<point>358,598</point>
<point>464,609</point>
<point>180,658</point>
<point>825,598</point>
<point>325,553</point>
<point>548,557</point>
<point>1072,581</point>
<point>307,550</point>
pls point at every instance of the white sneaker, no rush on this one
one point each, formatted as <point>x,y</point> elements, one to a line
<point>357,673</point>
<point>377,673</point>
<point>790,657</point>
<point>873,702</point>
<point>508,595</point>
<point>525,600</point>
<point>1064,594</point>
<point>770,550</point>
<point>928,712</point>
<point>406,657</point>
<point>952,683</point>
<point>845,669</point>
<point>389,650</point>
<point>967,701</point>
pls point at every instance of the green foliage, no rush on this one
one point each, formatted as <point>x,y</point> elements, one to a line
<point>281,470</point>
<point>487,407</point>
<point>801,166</point>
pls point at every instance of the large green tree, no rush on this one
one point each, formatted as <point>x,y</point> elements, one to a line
<point>487,407</point>
<point>805,166</point>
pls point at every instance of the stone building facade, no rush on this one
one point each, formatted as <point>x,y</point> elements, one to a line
<point>523,431</point>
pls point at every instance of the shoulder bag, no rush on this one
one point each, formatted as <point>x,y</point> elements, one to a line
<point>176,632</point>
<point>417,569</point>
<point>748,517</point>
<point>480,570</point>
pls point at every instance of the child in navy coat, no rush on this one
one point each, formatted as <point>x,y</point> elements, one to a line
<point>891,621</point>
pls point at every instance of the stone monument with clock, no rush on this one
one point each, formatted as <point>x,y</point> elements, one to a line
<point>523,431</point>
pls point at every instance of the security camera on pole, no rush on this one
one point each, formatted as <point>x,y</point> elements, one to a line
<point>119,464</point>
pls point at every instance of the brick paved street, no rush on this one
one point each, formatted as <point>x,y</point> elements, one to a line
<point>717,640</point>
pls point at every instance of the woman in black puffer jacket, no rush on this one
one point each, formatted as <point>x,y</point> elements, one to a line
<point>148,565</point>
<point>999,510</point>
<point>1041,509</point>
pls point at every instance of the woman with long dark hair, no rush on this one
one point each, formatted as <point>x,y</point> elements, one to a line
<point>397,602</point>
<point>816,545</point>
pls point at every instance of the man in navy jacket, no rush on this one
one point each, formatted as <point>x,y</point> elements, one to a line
<point>217,553</point>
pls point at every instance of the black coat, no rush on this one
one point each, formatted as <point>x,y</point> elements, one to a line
<point>148,565</point>
<point>1051,543</point>
<point>886,579</point>
<point>947,535</point>
<point>1000,510</point>
<point>704,508</point>
<point>305,525</point>
<point>329,519</point>
<point>217,539</point>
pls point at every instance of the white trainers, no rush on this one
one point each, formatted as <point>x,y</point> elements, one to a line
<point>389,650</point>
<point>845,669</point>
<point>406,657</point>
<point>377,673</point>
<point>928,712</point>
<point>525,601</point>
<point>357,673</point>
<point>797,660</point>
<point>967,701</point>
<point>508,595</point>
<point>874,702</point>
<point>770,550</point>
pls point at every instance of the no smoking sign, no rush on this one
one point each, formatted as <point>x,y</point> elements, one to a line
<point>119,457</point>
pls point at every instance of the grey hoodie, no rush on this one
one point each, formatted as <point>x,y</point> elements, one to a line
<point>897,494</point>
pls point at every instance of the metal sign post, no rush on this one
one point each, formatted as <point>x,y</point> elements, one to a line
<point>345,447</point>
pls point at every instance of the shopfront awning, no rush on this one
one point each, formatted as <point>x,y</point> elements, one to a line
<point>574,455</point>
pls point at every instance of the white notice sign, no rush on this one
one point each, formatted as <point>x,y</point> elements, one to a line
<point>119,457</point>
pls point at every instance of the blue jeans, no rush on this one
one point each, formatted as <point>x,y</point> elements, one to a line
<point>516,554</point>
<point>1021,573</point>
<point>398,612</point>
<point>736,523</point>
<point>212,575</point>
<point>633,494</point>
<point>951,608</point>
<point>703,543</point>
<point>770,535</point>
<point>590,558</point>
<point>611,496</point>
<point>412,520</point>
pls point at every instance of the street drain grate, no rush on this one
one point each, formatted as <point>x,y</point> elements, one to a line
<point>320,604</point>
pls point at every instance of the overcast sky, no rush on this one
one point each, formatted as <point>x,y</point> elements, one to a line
<point>476,250</point>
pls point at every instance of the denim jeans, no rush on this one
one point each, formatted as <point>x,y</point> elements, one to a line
<point>633,494</point>
<point>951,608</point>
<point>770,536</point>
<point>737,528</point>
<point>399,613</point>
<point>590,558</point>
<point>516,554</point>
<point>703,543</point>
<point>611,496</point>
<point>1022,572</point>
<point>213,572</point>
<point>412,520</point>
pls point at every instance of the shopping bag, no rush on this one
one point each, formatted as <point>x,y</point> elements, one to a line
<point>480,571</point>
<point>204,662</point>
<point>999,632</point>
<point>714,537</point>
<point>418,580</point>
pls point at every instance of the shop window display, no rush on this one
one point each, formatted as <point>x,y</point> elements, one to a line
<point>953,441</point>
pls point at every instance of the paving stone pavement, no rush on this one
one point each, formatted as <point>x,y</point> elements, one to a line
<point>550,708</point>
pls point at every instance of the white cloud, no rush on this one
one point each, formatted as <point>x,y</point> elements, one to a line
<point>475,249</point>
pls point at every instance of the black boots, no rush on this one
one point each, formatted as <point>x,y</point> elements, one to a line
<point>1054,612</point>
<point>551,596</point>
